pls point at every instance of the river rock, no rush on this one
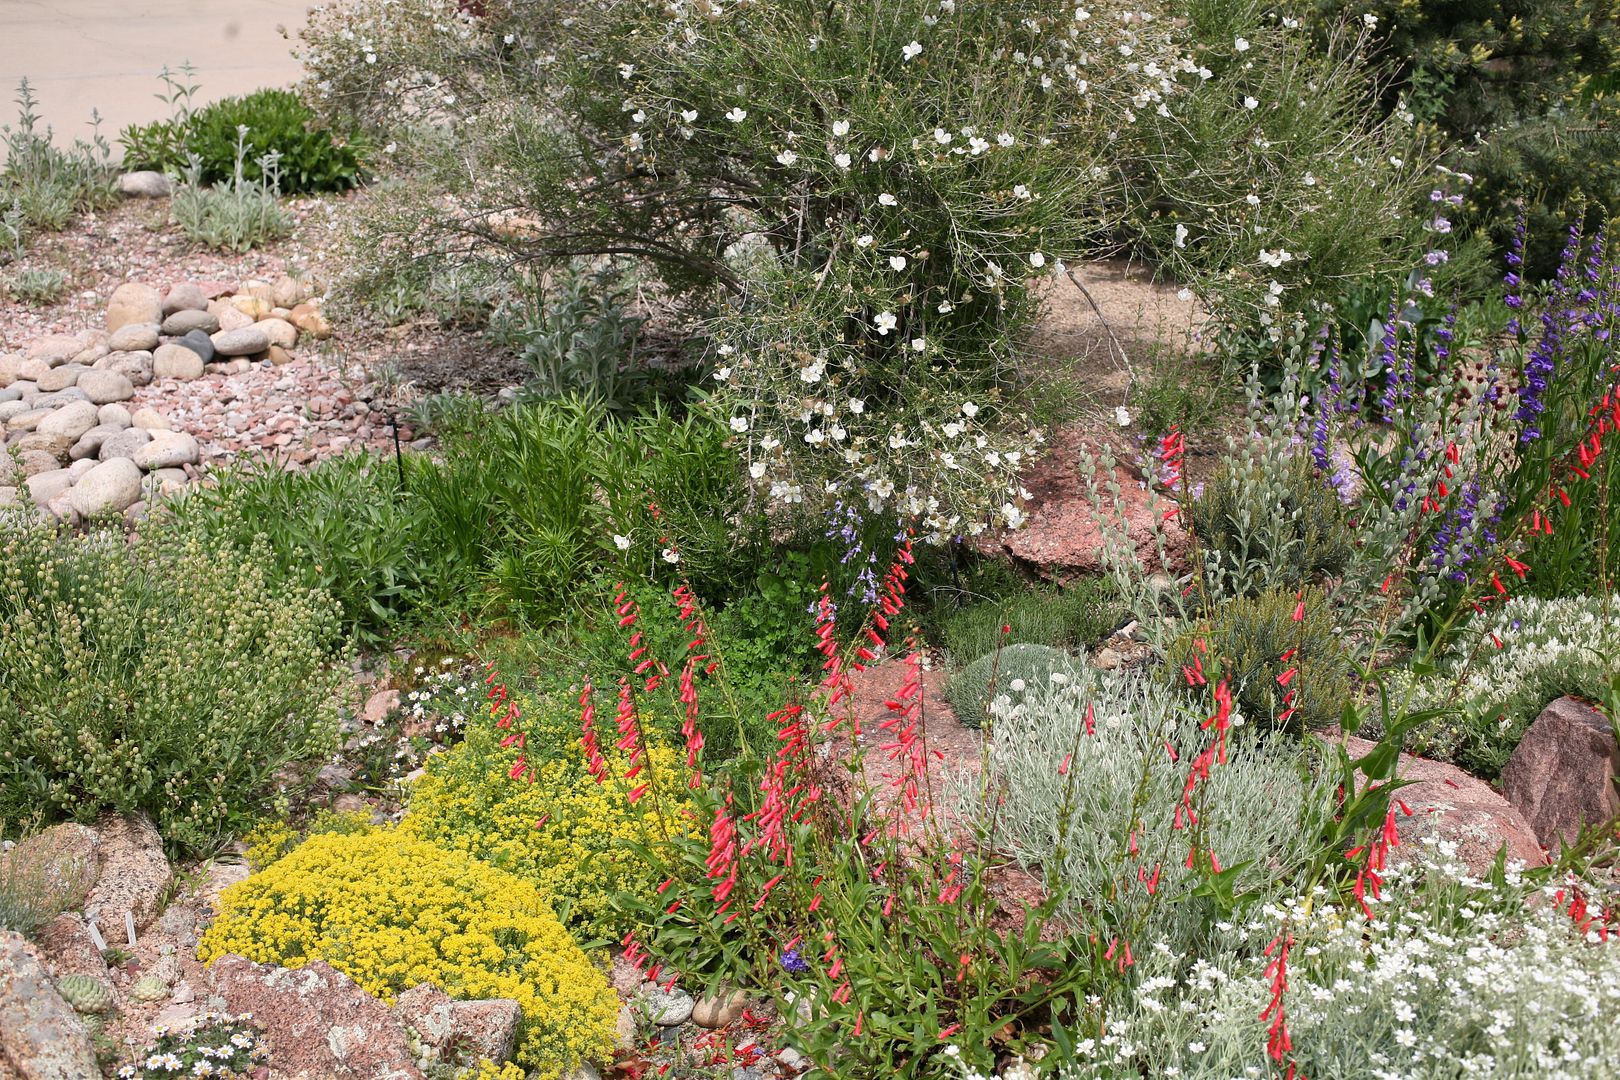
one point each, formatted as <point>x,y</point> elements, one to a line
<point>109,485</point>
<point>10,366</point>
<point>133,302</point>
<point>113,415</point>
<point>60,378</point>
<point>243,342</point>
<point>167,450</point>
<point>124,444</point>
<point>230,317</point>
<point>150,419</point>
<point>199,343</point>
<point>45,486</point>
<point>145,184</point>
<point>279,332</point>
<point>308,319</point>
<point>106,387</point>
<point>186,320</point>
<point>89,444</point>
<point>185,296</point>
<point>135,365</point>
<point>55,349</point>
<point>134,337</point>
<point>70,421</point>
<point>176,362</point>
<point>34,462</point>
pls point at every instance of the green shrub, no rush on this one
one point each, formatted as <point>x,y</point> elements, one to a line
<point>1073,617</point>
<point>236,215</point>
<point>1523,95</point>
<point>1249,636</point>
<point>1265,522</point>
<point>309,157</point>
<point>1013,672</point>
<point>167,676</point>
<point>343,527</point>
<point>47,186</point>
<point>1277,180</point>
<point>571,330</point>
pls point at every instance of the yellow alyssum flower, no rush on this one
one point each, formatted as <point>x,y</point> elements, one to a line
<point>392,910</point>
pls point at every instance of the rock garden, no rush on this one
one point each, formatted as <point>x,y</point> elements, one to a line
<point>942,539</point>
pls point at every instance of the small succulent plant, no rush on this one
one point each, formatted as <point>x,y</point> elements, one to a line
<point>86,993</point>
<point>149,988</point>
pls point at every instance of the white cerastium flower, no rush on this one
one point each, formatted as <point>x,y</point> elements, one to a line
<point>885,199</point>
<point>787,157</point>
<point>736,114</point>
<point>897,262</point>
<point>1122,416</point>
<point>911,51</point>
<point>671,556</point>
<point>621,542</point>
<point>885,322</point>
<point>739,424</point>
<point>840,128</point>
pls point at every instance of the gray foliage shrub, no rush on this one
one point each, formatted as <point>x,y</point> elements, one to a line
<point>45,185</point>
<point>164,676</point>
<point>235,215</point>
<point>1089,792</point>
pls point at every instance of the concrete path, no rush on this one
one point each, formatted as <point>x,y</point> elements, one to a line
<point>81,55</point>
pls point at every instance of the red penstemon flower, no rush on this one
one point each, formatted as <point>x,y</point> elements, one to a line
<point>1279,1044</point>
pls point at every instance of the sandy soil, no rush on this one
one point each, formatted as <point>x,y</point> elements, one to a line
<point>84,55</point>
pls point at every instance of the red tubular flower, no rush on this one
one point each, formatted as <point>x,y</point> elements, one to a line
<point>1278,1042</point>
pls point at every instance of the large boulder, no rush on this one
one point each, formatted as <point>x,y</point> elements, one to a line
<point>320,1022</point>
<point>1063,536</point>
<point>41,1037</point>
<point>135,875</point>
<point>1449,805</point>
<point>1561,776</point>
<point>133,302</point>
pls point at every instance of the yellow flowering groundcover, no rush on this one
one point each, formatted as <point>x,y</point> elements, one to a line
<point>556,827</point>
<point>392,910</point>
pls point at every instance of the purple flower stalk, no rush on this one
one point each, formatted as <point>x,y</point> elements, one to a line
<point>793,963</point>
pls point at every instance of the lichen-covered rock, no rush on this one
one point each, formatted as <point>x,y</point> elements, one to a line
<point>319,1021</point>
<point>67,948</point>
<point>41,1037</point>
<point>486,1028</point>
<point>61,862</point>
<point>134,874</point>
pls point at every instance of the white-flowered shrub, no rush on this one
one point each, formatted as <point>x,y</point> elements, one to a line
<point>851,197</point>
<point>1548,649</point>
